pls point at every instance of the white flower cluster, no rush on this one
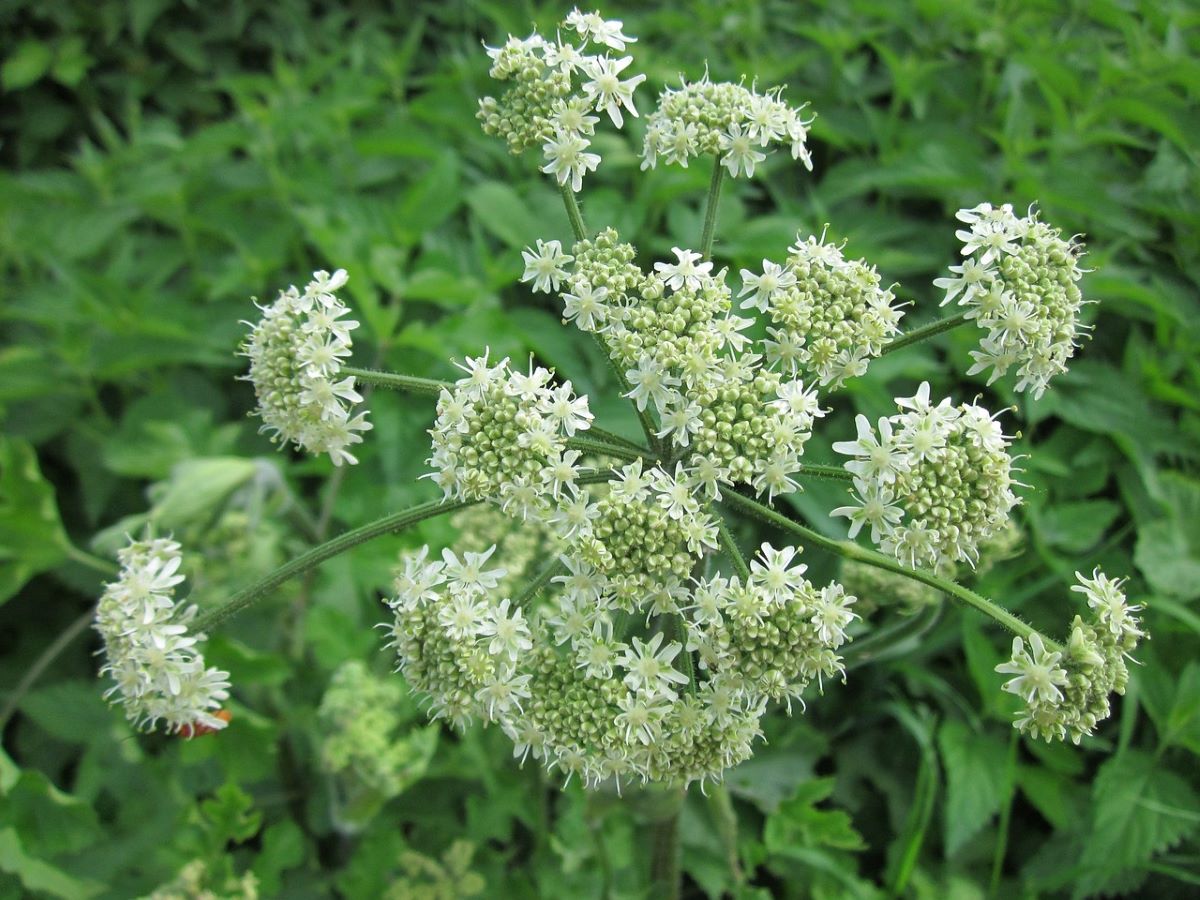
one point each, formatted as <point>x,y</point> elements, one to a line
<point>157,667</point>
<point>296,351</point>
<point>1019,282</point>
<point>543,106</point>
<point>829,315</point>
<point>729,120</point>
<point>1066,692</point>
<point>674,335</point>
<point>502,435</point>
<point>569,688</point>
<point>933,483</point>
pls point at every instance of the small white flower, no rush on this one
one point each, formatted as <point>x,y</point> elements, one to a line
<point>876,458</point>
<point>650,381</point>
<point>509,633</point>
<point>607,91</point>
<point>468,575</point>
<point>774,279</point>
<point>571,413</point>
<point>772,570</point>
<point>740,154</point>
<point>684,272</point>
<point>1106,597</point>
<point>585,306</point>
<point>876,507</point>
<point>649,668</point>
<point>1039,676</point>
<point>602,31</point>
<point>545,266</point>
<point>568,160</point>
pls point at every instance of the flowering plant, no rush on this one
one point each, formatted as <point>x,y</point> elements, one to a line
<point>647,646</point>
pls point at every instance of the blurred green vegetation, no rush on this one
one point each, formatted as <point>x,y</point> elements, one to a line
<point>165,161</point>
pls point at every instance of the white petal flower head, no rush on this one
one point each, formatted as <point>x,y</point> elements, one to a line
<point>774,279</point>
<point>568,160</point>
<point>876,458</point>
<point>467,575</point>
<point>599,30</point>
<point>545,266</point>
<point>685,272</point>
<point>772,570</point>
<point>876,507</point>
<point>1039,675</point>
<point>607,91</point>
<point>585,306</point>
<point>509,633</point>
<point>740,154</point>
<point>649,668</point>
<point>650,381</point>
<point>1107,598</point>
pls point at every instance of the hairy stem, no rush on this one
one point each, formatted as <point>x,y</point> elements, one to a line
<point>553,567</point>
<point>65,638</point>
<point>616,439</point>
<point>573,212</point>
<point>340,544</point>
<point>95,563</point>
<point>411,383</point>
<point>851,550</point>
<point>664,855</point>
<point>587,445</point>
<point>725,815</point>
<point>729,545</point>
<point>926,331</point>
<point>710,208</point>
<point>835,472</point>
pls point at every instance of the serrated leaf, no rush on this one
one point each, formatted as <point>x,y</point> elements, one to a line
<point>975,766</point>
<point>501,211</point>
<point>798,824</point>
<point>1140,808</point>
<point>1076,527</point>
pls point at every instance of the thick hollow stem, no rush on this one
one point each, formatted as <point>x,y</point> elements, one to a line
<point>664,855</point>
<point>926,331</point>
<point>851,550</point>
<point>573,212</point>
<point>710,208</point>
<point>396,381</point>
<point>340,544</point>
<point>648,427</point>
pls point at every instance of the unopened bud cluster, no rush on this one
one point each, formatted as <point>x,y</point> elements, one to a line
<point>829,315</point>
<point>728,120</point>
<point>673,334</point>
<point>1066,692</point>
<point>502,435</point>
<point>933,483</point>
<point>296,351</point>
<point>543,105</point>
<point>157,666</point>
<point>680,704</point>
<point>1020,284</point>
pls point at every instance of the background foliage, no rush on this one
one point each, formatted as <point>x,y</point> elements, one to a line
<point>164,161</point>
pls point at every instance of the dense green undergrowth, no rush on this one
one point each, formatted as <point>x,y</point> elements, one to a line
<point>163,162</point>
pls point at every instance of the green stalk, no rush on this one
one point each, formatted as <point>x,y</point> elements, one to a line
<point>835,472</point>
<point>665,852</point>
<point>729,545</point>
<point>587,445</point>
<point>573,212</point>
<point>710,208</point>
<point>926,331</point>
<point>553,567</point>
<point>340,544</point>
<point>396,381</point>
<point>851,550</point>
<point>616,439</point>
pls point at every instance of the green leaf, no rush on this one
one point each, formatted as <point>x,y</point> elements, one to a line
<point>32,539</point>
<point>1075,527</point>
<point>1168,549</point>
<point>975,765</point>
<point>25,65</point>
<point>501,211</point>
<point>40,876</point>
<point>799,824</point>
<point>1140,808</point>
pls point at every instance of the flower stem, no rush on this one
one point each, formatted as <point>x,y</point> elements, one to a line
<point>94,563</point>
<point>710,208</point>
<point>835,472</point>
<point>553,567</point>
<point>885,643</point>
<point>725,815</point>
<point>573,212</point>
<point>643,415</point>
<point>340,544</point>
<point>851,550</point>
<point>587,445</point>
<point>616,439</point>
<point>396,381</point>
<point>665,853</point>
<point>729,545</point>
<point>926,331</point>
